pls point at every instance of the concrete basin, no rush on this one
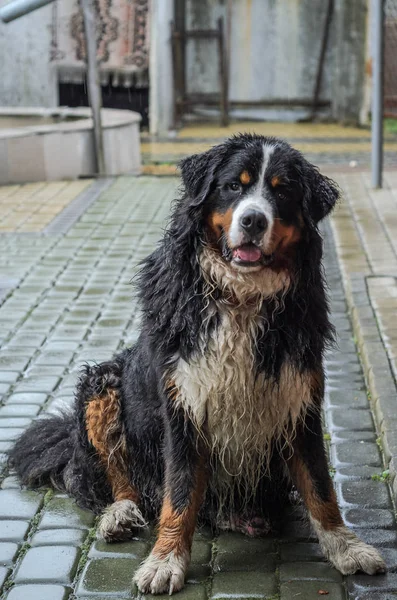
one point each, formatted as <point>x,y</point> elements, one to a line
<point>41,144</point>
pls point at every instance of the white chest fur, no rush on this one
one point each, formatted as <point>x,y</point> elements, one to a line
<point>240,411</point>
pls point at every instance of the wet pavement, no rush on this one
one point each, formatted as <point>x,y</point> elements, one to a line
<point>68,300</point>
<point>322,143</point>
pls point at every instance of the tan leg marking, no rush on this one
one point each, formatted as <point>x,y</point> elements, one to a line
<point>341,546</point>
<point>105,432</point>
<point>164,569</point>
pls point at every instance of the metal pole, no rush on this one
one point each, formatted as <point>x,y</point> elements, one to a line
<point>17,9</point>
<point>94,87</point>
<point>377,91</point>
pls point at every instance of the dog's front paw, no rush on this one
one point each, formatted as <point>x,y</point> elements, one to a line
<point>162,575</point>
<point>349,554</point>
<point>119,520</point>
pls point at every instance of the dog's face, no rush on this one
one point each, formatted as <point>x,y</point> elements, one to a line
<point>258,196</point>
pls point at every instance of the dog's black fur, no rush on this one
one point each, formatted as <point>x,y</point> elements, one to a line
<point>161,440</point>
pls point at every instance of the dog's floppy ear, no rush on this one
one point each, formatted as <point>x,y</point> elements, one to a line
<point>198,173</point>
<point>320,193</point>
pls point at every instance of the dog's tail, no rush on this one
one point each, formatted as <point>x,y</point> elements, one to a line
<point>43,451</point>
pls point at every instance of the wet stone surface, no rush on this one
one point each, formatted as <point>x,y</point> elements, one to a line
<point>74,303</point>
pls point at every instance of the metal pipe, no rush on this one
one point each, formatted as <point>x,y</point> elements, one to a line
<point>19,8</point>
<point>320,67</point>
<point>94,86</point>
<point>377,91</point>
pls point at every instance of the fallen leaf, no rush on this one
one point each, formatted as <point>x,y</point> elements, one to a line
<point>323,593</point>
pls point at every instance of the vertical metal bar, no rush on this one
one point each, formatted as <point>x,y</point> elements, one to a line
<point>320,67</point>
<point>223,96</point>
<point>377,91</point>
<point>94,86</point>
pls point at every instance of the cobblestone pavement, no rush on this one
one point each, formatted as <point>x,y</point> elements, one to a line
<point>30,207</point>
<point>325,144</point>
<point>365,229</point>
<point>71,302</point>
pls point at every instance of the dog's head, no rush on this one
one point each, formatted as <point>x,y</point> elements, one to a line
<point>257,196</point>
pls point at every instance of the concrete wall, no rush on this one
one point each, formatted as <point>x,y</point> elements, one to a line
<point>274,51</point>
<point>27,78</point>
<point>274,48</point>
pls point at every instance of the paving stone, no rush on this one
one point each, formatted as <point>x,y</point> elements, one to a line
<point>390,557</point>
<point>45,384</point>
<point>105,576</point>
<point>53,564</point>
<point>9,376</point>
<point>8,434</point>
<point>309,570</point>
<point>301,552</point>
<point>248,561</point>
<point>10,483</point>
<point>378,537</point>
<point>236,542</point>
<point>132,549</point>
<point>63,513</point>
<point>366,494</point>
<point>59,537</point>
<point>369,518</point>
<point>14,422</point>
<point>357,584</point>
<point>374,596</point>
<point>354,472</point>
<point>4,572</point>
<point>310,590</point>
<point>28,398</point>
<point>13,530</point>
<point>351,419</point>
<point>17,504</point>
<point>356,453</point>
<point>38,592</point>
<point>18,410</point>
<point>244,585</point>
<point>8,551</point>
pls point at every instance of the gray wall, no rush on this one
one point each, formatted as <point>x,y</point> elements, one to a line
<point>274,51</point>
<point>26,76</point>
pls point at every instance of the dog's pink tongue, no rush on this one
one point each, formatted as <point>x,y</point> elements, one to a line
<point>248,253</point>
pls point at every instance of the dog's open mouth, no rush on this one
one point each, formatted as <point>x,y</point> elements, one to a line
<point>250,255</point>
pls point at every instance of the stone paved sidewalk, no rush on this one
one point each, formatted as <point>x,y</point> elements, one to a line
<point>71,302</point>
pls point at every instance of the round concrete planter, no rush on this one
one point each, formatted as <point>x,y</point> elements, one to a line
<point>39,144</point>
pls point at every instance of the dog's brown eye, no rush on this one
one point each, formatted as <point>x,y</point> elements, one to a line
<point>281,196</point>
<point>235,187</point>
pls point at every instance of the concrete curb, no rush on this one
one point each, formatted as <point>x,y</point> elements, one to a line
<point>376,366</point>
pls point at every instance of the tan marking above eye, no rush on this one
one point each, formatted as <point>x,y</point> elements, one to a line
<point>245,177</point>
<point>275,181</point>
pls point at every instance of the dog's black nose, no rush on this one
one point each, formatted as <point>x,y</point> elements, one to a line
<point>253,222</point>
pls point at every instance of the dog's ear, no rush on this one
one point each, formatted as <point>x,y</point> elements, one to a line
<point>320,193</point>
<point>198,173</point>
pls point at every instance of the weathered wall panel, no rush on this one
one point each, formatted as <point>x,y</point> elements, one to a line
<point>27,77</point>
<point>274,48</point>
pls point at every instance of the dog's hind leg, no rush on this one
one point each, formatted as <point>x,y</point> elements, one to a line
<point>106,434</point>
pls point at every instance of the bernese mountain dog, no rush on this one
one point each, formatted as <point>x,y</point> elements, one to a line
<point>215,413</point>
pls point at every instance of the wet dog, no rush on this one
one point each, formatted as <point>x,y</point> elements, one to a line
<point>215,413</point>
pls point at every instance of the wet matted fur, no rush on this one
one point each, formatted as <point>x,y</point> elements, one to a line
<point>215,412</point>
